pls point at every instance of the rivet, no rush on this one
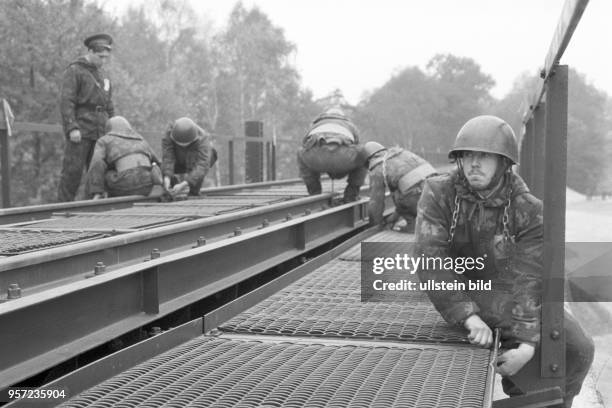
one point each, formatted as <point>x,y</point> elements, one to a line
<point>14,291</point>
<point>555,334</point>
<point>155,330</point>
<point>288,217</point>
<point>201,241</point>
<point>265,223</point>
<point>99,268</point>
<point>308,211</point>
<point>554,368</point>
<point>156,253</point>
<point>237,231</point>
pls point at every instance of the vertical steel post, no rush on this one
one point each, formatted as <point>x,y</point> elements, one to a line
<point>539,150</point>
<point>553,339</point>
<point>6,168</point>
<point>230,161</point>
<point>254,152</point>
<point>273,162</point>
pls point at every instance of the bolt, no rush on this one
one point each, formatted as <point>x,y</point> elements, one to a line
<point>554,368</point>
<point>288,217</point>
<point>14,291</point>
<point>237,231</point>
<point>555,334</point>
<point>156,253</point>
<point>265,223</point>
<point>146,259</point>
<point>155,330</point>
<point>201,241</point>
<point>99,268</point>
<point>308,211</point>
<point>542,73</point>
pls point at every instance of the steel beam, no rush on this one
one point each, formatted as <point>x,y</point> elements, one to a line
<point>538,153</point>
<point>51,267</point>
<point>45,329</point>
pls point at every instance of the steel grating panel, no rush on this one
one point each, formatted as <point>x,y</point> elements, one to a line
<point>106,222</point>
<point>219,372</point>
<point>328,303</point>
<point>222,200</point>
<point>16,242</point>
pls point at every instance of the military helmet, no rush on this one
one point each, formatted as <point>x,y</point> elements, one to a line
<point>332,113</point>
<point>184,131</point>
<point>488,134</point>
<point>117,124</point>
<point>371,148</point>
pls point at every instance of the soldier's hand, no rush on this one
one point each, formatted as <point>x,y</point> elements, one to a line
<point>480,333</point>
<point>75,136</point>
<point>167,183</point>
<point>180,188</point>
<point>510,362</point>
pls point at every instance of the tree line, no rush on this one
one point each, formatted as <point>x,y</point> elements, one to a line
<point>168,63</point>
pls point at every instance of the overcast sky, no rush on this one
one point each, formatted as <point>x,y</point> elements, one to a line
<point>357,45</point>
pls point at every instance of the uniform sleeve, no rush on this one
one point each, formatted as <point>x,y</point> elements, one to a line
<point>168,156</point>
<point>201,167</point>
<point>376,206</point>
<point>527,269</point>
<point>97,169</point>
<point>432,226</point>
<point>68,100</point>
<point>110,106</point>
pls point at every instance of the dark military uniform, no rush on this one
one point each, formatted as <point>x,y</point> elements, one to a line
<point>187,163</point>
<point>512,253</point>
<point>332,146</point>
<point>85,104</point>
<point>104,175</point>
<point>402,172</point>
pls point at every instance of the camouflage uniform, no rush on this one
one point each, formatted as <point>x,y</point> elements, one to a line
<point>514,266</point>
<point>403,173</point>
<point>85,104</point>
<point>337,154</point>
<point>189,163</point>
<point>103,176</point>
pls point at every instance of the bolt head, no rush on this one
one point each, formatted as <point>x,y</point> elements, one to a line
<point>554,368</point>
<point>555,335</point>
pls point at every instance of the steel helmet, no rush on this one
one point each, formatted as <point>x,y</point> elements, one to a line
<point>117,124</point>
<point>371,148</point>
<point>488,134</point>
<point>332,113</point>
<point>184,131</point>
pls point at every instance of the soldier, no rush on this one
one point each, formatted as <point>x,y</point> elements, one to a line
<point>402,172</point>
<point>485,212</point>
<point>85,105</point>
<point>187,155</point>
<point>123,163</point>
<point>331,146</point>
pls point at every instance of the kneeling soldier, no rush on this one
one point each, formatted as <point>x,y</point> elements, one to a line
<point>123,163</point>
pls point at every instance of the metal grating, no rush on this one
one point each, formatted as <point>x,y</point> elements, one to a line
<point>328,303</point>
<point>223,200</point>
<point>16,242</point>
<point>209,371</point>
<point>106,222</point>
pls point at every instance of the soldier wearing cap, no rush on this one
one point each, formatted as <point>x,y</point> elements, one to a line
<point>85,105</point>
<point>123,163</point>
<point>187,155</point>
<point>400,171</point>
<point>484,212</point>
<point>331,146</point>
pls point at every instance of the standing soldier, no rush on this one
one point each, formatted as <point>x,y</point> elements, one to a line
<point>331,146</point>
<point>123,163</point>
<point>402,172</point>
<point>483,211</point>
<point>85,105</point>
<point>187,155</point>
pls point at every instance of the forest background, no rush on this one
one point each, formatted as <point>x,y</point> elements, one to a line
<point>166,64</point>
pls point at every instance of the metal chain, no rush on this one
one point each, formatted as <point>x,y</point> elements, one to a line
<point>451,233</point>
<point>506,222</point>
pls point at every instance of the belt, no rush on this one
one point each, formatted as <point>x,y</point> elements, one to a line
<point>131,161</point>
<point>413,177</point>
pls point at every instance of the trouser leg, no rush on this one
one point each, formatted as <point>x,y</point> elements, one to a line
<point>76,159</point>
<point>136,181</point>
<point>356,178</point>
<point>311,178</point>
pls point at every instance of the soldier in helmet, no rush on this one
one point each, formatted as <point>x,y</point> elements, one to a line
<point>123,163</point>
<point>399,170</point>
<point>484,211</point>
<point>85,106</point>
<point>331,146</point>
<point>187,155</point>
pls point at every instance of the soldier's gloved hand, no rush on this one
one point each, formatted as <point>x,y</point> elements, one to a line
<point>96,196</point>
<point>166,183</point>
<point>180,189</point>
<point>513,360</point>
<point>480,333</point>
<point>75,136</point>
